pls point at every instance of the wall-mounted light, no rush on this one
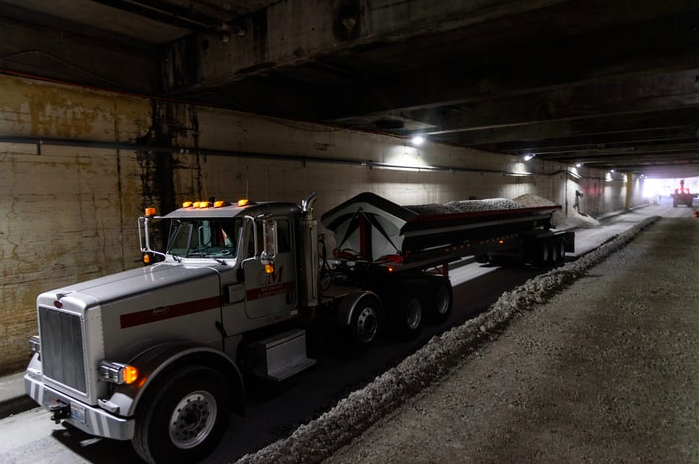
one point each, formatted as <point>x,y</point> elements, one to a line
<point>578,165</point>
<point>417,140</point>
<point>529,156</point>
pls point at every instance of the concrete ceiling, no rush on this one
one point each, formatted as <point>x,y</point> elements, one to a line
<point>609,83</point>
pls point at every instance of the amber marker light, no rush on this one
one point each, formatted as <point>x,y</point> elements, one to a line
<point>187,204</point>
<point>146,258</point>
<point>150,211</point>
<point>130,374</point>
<point>243,202</point>
<point>269,268</point>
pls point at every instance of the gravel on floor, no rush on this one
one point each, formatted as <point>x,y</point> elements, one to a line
<point>463,397</point>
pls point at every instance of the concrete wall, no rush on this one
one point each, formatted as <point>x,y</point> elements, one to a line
<point>68,213</point>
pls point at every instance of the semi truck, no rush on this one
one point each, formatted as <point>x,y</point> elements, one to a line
<point>159,355</point>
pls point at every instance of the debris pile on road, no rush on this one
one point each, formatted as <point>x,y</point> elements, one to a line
<point>320,438</point>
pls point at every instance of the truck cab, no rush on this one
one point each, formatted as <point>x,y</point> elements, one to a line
<point>154,354</point>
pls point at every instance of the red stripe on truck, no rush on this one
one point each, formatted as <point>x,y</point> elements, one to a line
<point>168,312</point>
<point>271,290</point>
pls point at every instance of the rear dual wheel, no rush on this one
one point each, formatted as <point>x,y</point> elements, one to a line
<point>364,324</point>
<point>408,309</point>
<point>442,299</point>
<point>549,252</point>
<point>419,301</point>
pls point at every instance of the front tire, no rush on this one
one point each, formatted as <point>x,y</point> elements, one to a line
<point>183,419</point>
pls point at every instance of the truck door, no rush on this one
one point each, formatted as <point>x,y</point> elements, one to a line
<point>271,291</point>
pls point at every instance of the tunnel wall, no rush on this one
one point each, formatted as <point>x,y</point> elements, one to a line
<point>68,211</point>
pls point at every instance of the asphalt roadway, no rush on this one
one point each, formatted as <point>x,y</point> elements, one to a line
<point>605,372</point>
<point>275,411</point>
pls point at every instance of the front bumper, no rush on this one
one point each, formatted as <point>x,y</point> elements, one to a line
<point>92,420</point>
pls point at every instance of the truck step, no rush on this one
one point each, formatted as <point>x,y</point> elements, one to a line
<point>281,356</point>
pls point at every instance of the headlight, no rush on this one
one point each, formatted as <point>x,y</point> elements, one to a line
<point>35,344</point>
<point>117,372</point>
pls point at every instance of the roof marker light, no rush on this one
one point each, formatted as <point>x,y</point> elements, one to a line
<point>150,211</point>
<point>243,202</point>
<point>187,204</point>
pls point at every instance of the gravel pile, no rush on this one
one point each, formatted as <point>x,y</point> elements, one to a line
<point>320,438</point>
<point>558,219</point>
<point>465,206</point>
<point>532,201</point>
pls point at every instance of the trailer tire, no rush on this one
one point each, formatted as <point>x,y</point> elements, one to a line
<point>442,300</point>
<point>365,323</point>
<point>408,314</point>
<point>554,257</point>
<point>184,417</point>
<point>560,243</point>
<point>542,252</point>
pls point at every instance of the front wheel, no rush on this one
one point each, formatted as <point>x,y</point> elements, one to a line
<point>183,419</point>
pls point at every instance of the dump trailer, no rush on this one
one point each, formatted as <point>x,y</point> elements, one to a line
<point>158,355</point>
<point>683,197</point>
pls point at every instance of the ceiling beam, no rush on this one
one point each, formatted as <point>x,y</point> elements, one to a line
<point>562,129</point>
<point>621,97</point>
<point>45,52</point>
<point>524,66</point>
<point>301,31</point>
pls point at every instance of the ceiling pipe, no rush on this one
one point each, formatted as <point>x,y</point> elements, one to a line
<point>170,14</point>
<point>44,141</point>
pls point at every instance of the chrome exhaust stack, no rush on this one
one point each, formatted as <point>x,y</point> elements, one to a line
<point>309,252</point>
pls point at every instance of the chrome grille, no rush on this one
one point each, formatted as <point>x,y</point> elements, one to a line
<point>62,348</point>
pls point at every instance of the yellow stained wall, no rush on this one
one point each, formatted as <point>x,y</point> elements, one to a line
<point>66,213</point>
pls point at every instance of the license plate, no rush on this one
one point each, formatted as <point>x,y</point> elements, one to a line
<point>77,412</point>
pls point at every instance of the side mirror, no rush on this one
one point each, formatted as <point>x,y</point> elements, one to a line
<point>269,242</point>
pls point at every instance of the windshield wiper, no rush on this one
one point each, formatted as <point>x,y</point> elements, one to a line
<point>176,258</point>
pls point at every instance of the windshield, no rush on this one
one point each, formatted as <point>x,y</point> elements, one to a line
<point>204,238</point>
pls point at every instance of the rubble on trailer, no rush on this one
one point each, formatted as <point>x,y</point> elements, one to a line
<point>466,206</point>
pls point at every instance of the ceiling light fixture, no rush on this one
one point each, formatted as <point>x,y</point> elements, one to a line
<point>529,156</point>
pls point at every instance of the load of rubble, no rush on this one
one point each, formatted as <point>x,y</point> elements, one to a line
<point>466,206</point>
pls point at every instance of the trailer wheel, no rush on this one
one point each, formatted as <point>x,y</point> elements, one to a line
<point>184,418</point>
<point>442,300</point>
<point>408,313</point>
<point>364,325</point>
<point>542,253</point>
<point>561,250</point>
<point>553,252</point>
